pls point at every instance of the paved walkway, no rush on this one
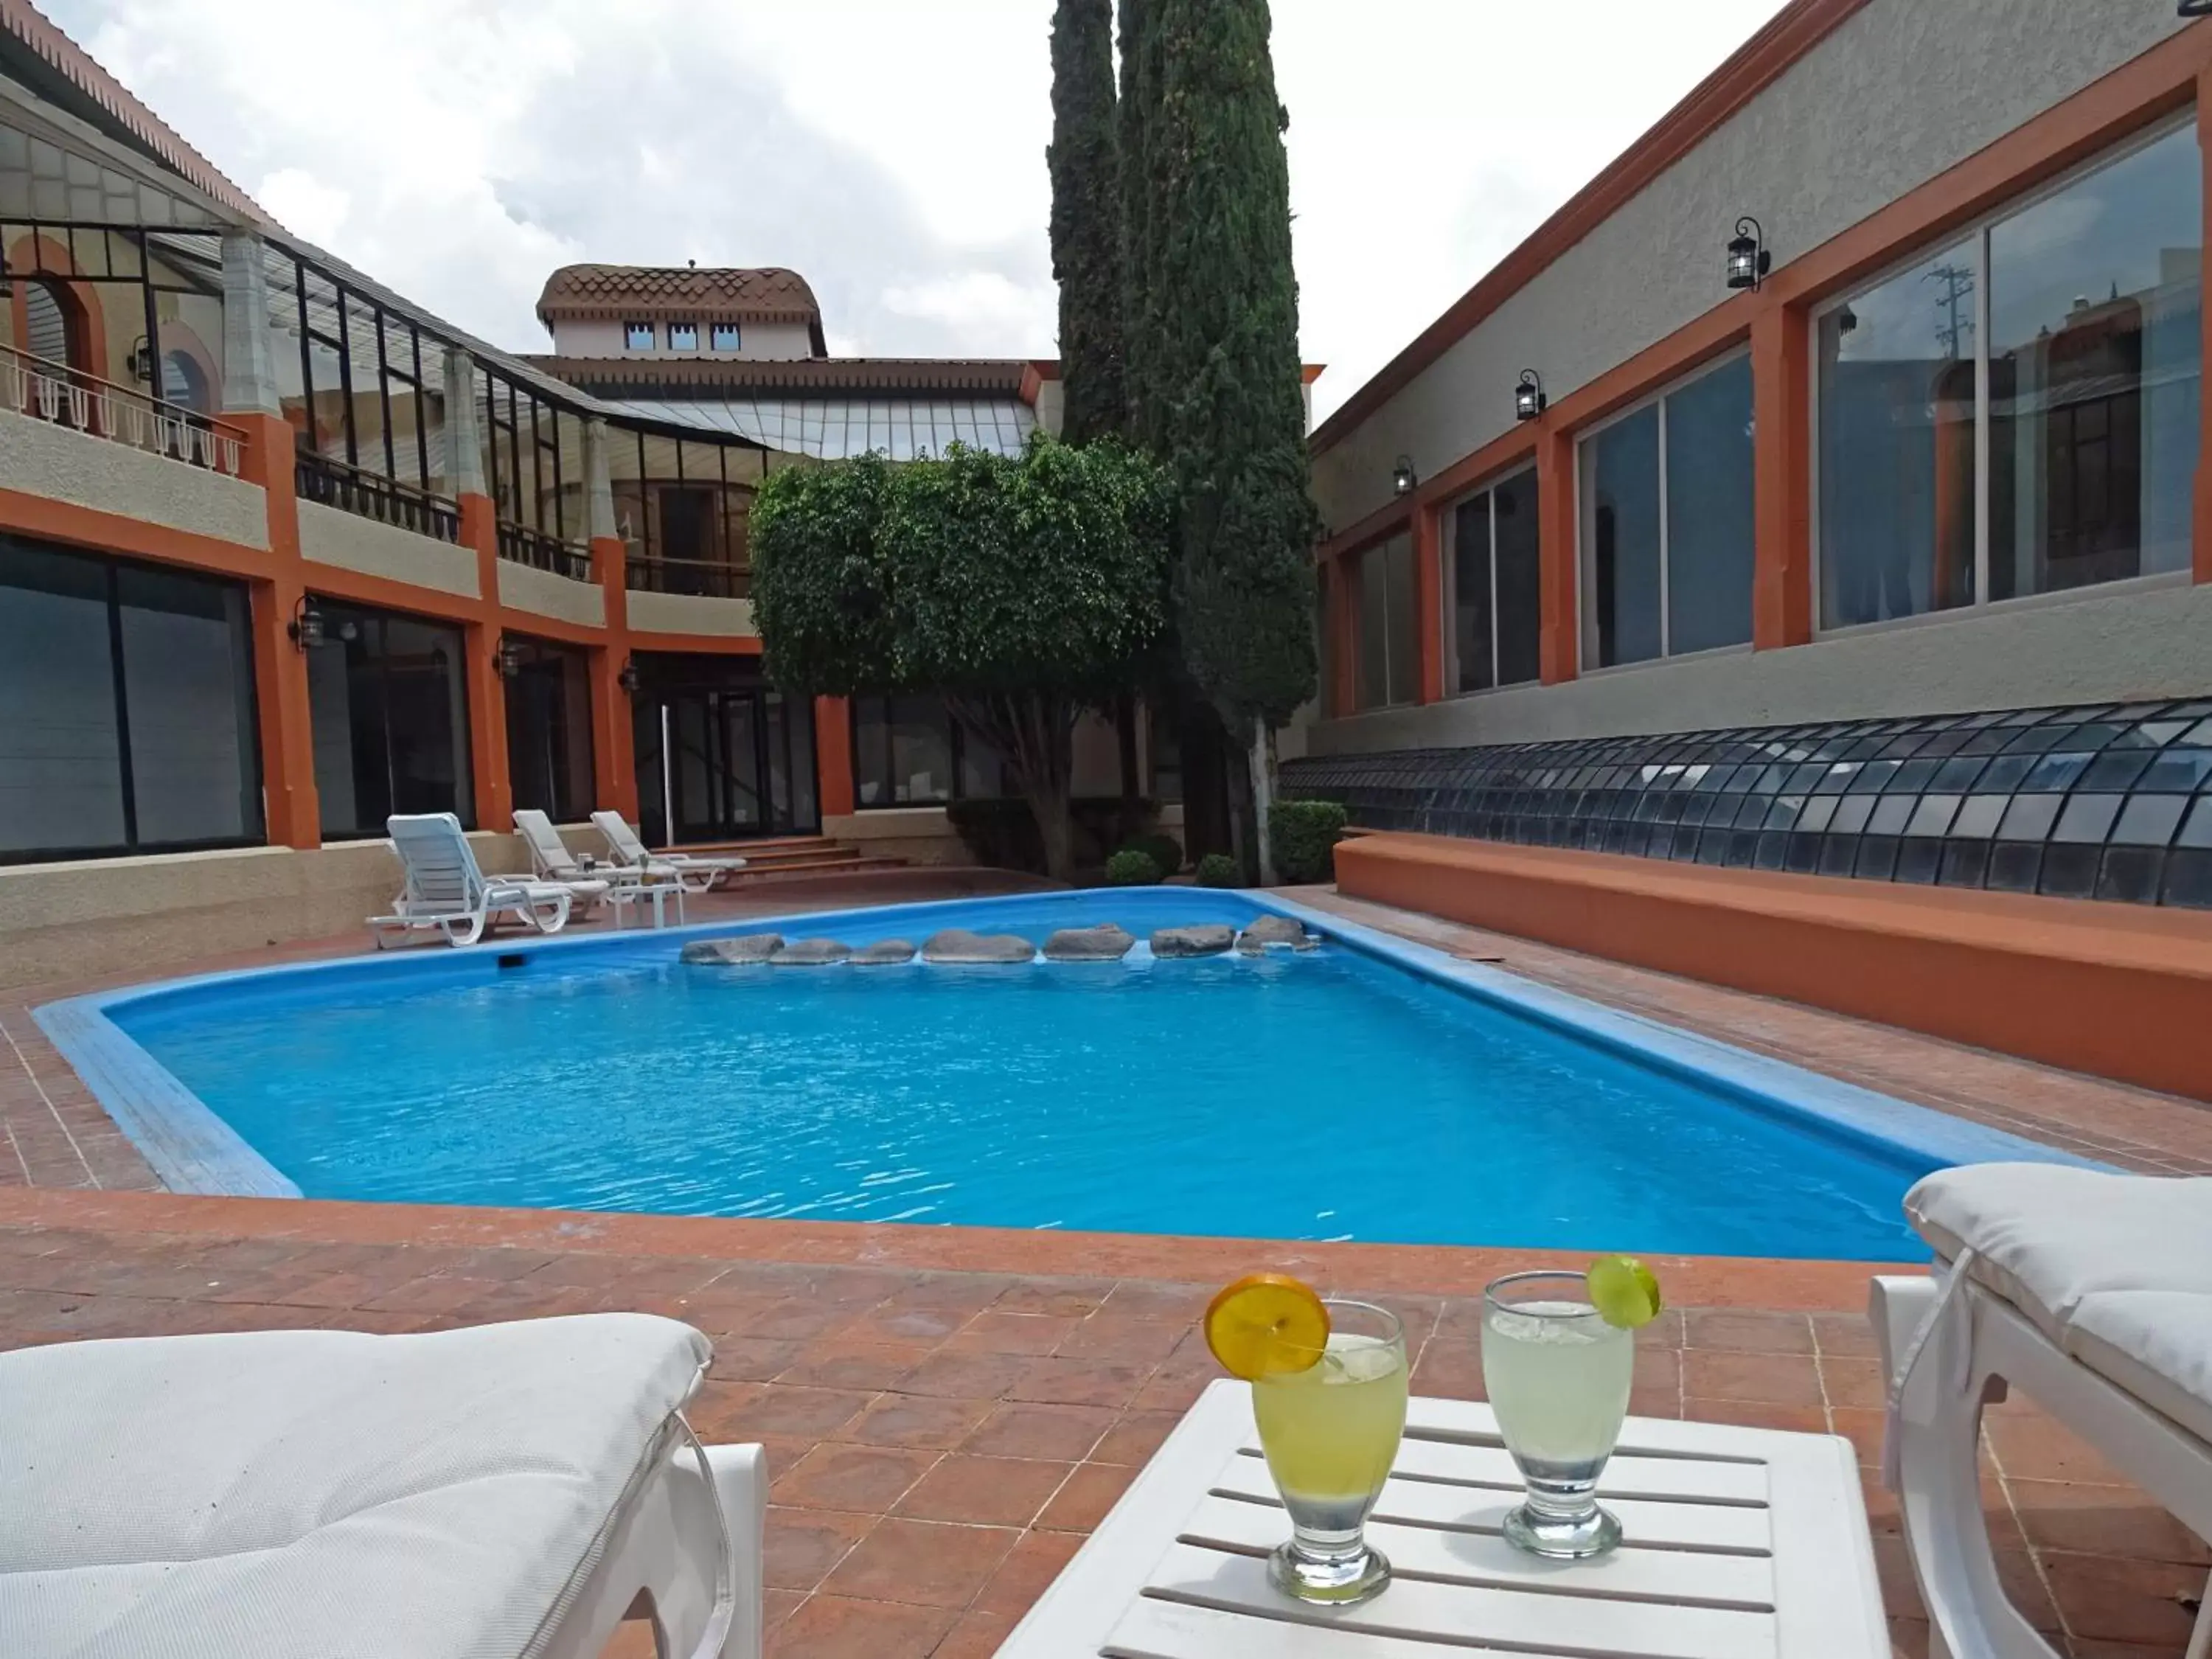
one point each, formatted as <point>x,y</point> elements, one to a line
<point>948,1411</point>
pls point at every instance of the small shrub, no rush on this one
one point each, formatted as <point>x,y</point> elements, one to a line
<point>1132,867</point>
<point>1219,870</point>
<point>1302,835</point>
<point>1165,850</point>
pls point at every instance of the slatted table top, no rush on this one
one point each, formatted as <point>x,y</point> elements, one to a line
<point>1741,1544</point>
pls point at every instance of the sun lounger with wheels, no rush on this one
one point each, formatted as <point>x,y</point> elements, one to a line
<point>2090,1292</point>
<point>629,852</point>
<point>446,890</point>
<point>508,1492</point>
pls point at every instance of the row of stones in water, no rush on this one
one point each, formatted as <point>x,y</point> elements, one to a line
<point>1105,942</point>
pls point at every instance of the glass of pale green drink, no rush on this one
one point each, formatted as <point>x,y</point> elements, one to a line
<point>1558,1376</point>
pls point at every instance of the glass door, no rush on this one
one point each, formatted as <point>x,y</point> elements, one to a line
<point>726,761</point>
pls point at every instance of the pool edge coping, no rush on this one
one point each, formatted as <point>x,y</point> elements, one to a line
<point>194,1150</point>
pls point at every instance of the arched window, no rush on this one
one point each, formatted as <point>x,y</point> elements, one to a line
<point>184,383</point>
<point>48,332</point>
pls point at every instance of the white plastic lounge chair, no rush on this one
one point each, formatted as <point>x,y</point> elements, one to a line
<point>508,1490</point>
<point>552,861</point>
<point>446,890</point>
<point>2092,1293</point>
<point>630,854</point>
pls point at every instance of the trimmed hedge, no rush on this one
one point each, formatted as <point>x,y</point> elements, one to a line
<point>1219,870</point>
<point>1302,836</point>
<point>1132,867</point>
<point>1164,849</point>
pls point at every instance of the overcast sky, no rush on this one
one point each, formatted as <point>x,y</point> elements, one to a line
<point>891,150</point>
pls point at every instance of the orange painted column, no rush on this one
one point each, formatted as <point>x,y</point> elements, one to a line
<point>614,750</point>
<point>1429,602</point>
<point>280,667</point>
<point>1558,644</point>
<point>487,692</point>
<point>2200,527</point>
<point>833,755</point>
<point>1781,474</point>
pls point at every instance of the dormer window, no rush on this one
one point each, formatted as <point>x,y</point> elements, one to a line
<point>684,336</point>
<point>725,337</point>
<point>638,337</point>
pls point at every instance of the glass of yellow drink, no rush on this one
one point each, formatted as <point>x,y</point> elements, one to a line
<point>1558,1376</point>
<point>1330,1432</point>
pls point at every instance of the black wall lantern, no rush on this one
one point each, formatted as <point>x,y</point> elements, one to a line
<point>306,627</point>
<point>1528,398</point>
<point>1402,478</point>
<point>510,657</point>
<point>1748,261</point>
<point>628,678</point>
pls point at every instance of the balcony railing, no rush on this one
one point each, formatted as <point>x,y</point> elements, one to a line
<point>332,481</point>
<point>534,547</point>
<point>48,390</point>
<point>710,577</point>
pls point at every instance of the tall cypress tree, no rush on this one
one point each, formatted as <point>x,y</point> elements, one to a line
<point>1215,341</point>
<point>1139,48</point>
<point>1086,219</point>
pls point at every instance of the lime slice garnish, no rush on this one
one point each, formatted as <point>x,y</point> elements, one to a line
<point>1624,1292</point>
<point>1267,1324</point>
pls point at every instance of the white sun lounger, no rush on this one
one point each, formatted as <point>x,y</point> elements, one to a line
<point>552,861</point>
<point>509,1491</point>
<point>632,857</point>
<point>445,889</point>
<point>2092,1293</point>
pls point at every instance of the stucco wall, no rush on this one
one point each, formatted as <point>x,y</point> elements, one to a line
<point>528,588</point>
<point>97,917</point>
<point>1901,91</point>
<point>689,613</point>
<point>328,536</point>
<point>40,458</point>
<point>919,834</point>
<point>2146,643</point>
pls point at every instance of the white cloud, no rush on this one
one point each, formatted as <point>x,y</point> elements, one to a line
<point>892,151</point>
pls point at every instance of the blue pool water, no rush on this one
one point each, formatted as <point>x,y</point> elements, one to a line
<point>1328,1095</point>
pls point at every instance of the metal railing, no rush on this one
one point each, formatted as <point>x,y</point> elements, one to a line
<point>334,483</point>
<point>48,390</point>
<point>710,577</point>
<point>524,545</point>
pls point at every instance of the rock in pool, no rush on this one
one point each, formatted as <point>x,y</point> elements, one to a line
<point>733,952</point>
<point>1284,931</point>
<point>1209,939</point>
<point>1104,943</point>
<point>883,952</point>
<point>958,945</point>
<point>811,953</point>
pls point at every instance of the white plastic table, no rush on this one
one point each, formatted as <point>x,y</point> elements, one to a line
<point>655,893</point>
<point>1742,1544</point>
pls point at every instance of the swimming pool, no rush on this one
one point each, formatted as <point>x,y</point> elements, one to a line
<point>1371,1090</point>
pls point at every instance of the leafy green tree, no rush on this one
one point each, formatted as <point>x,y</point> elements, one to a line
<point>1086,220</point>
<point>1024,591</point>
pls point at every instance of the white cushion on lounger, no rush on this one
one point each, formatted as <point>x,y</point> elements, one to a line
<point>322,1494</point>
<point>2046,1235</point>
<point>2157,1345</point>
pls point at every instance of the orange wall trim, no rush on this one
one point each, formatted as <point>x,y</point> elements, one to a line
<point>2118,991</point>
<point>112,533</point>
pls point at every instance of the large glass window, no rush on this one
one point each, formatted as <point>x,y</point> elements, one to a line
<point>1497,587</point>
<point>390,719</point>
<point>2068,333</point>
<point>126,707</point>
<point>683,509</point>
<point>364,391</point>
<point>1389,662</point>
<point>910,751</point>
<point>1666,523</point>
<point>549,727</point>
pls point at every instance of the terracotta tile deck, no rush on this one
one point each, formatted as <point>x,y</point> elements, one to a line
<point>947,1411</point>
